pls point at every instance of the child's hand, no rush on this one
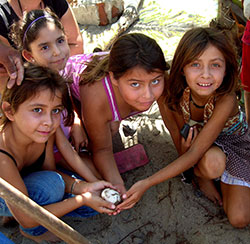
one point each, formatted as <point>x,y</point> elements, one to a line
<point>185,144</point>
<point>94,201</point>
<point>94,187</point>
<point>92,192</point>
<point>120,188</point>
<point>78,136</point>
<point>132,196</point>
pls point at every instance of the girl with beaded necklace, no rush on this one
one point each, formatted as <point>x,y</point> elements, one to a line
<point>202,92</point>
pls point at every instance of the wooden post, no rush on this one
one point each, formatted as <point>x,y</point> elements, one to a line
<point>40,214</point>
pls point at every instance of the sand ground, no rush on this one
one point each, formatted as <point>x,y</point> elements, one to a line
<point>171,212</point>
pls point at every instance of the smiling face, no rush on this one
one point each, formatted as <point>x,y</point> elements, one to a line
<point>49,49</point>
<point>140,89</point>
<point>206,73</point>
<point>42,116</point>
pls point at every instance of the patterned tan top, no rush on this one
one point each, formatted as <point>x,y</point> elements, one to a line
<point>234,124</point>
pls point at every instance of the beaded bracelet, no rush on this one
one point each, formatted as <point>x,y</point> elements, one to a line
<point>73,185</point>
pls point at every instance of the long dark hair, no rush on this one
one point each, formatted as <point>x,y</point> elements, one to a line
<point>191,46</point>
<point>130,50</point>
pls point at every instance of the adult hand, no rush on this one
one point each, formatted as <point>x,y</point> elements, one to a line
<point>11,63</point>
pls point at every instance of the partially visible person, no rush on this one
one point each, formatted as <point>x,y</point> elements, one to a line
<point>113,86</point>
<point>245,68</point>
<point>10,66</point>
<point>30,118</point>
<point>41,38</point>
<point>13,10</point>
<point>202,92</point>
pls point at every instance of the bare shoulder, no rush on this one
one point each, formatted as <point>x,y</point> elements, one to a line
<point>227,103</point>
<point>94,99</point>
<point>170,117</point>
<point>94,92</point>
<point>8,167</point>
<point>164,110</point>
<point>6,159</point>
<point>230,97</point>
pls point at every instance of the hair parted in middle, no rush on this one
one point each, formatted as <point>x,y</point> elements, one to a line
<point>26,30</point>
<point>128,51</point>
<point>191,46</point>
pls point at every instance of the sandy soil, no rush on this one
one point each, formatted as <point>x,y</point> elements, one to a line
<point>171,212</point>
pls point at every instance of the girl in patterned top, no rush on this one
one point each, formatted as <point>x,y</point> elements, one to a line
<point>202,92</point>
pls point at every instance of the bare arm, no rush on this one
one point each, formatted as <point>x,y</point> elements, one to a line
<point>173,121</point>
<point>87,193</point>
<point>203,141</point>
<point>97,115</point>
<point>72,31</point>
<point>78,135</point>
<point>72,157</point>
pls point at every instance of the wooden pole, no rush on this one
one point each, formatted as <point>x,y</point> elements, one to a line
<point>40,214</point>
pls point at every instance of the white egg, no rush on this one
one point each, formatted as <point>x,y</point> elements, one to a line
<point>111,195</point>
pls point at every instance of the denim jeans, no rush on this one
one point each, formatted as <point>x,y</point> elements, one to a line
<point>4,239</point>
<point>46,187</point>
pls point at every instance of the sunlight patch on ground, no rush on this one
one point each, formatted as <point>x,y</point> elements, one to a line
<point>167,21</point>
<point>206,8</point>
<point>163,20</point>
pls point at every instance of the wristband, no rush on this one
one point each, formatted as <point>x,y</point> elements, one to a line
<point>73,186</point>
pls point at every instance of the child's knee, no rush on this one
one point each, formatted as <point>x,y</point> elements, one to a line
<point>239,219</point>
<point>45,187</point>
<point>212,166</point>
<point>57,189</point>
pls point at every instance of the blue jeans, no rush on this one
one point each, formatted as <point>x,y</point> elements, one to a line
<point>4,239</point>
<point>46,187</point>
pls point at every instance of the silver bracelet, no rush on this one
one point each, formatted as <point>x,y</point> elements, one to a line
<point>73,185</point>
